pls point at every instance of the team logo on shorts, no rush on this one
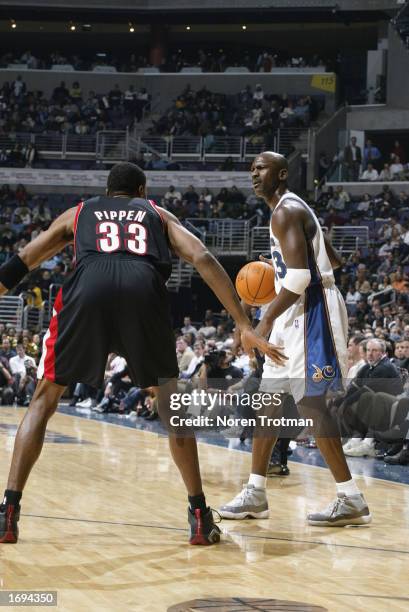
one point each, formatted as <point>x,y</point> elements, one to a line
<point>325,373</point>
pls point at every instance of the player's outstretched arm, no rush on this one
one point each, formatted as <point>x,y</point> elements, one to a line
<point>288,226</point>
<point>192,250</point>
<point>48,243</point>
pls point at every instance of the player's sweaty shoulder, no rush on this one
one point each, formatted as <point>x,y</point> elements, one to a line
<point>290,212</point>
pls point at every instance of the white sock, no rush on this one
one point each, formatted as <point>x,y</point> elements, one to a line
<point>258,481</point>
<point>348,488</point>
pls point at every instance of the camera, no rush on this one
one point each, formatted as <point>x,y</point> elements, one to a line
<point>212,359</point>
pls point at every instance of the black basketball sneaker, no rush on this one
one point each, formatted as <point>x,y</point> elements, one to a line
<point>203,530</point>
<point>9,516</point>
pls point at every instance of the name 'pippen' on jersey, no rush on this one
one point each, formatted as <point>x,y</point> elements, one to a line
<point>120,215</point>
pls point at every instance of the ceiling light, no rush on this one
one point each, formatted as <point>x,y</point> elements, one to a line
<point>187,27</point>
<point>72,27</point>
<point>244,27</point>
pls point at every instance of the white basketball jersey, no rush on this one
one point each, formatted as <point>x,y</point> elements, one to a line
<point>318,260</point>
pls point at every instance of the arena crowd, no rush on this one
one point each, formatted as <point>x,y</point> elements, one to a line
<point>373,279</point>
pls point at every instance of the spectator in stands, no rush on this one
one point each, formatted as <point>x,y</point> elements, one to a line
<point>34,295</point>
<point>396,167</point>
<point>60,93</point>
<point>227,165</point>
<point>156,163</point>
<point>199,350</point>
<point>6,382</point>
<point>324,164</point>
<point>353,296</point>
<point>258,94</point>
<point>191,198</point>
<point>30,155</point>
<point>6,351</point>
<point>386,174</point>
<point>184,354</point>
<point>399,151</point>
<point>171,195</point>
<point>18,88</point>
<point>372,154</point>
<point>356,355</point>
<point>188,328</point>
<point>208,330</point>
<point>75,91</point>
<point>24,369</point>
<point>352,160</point>
<point>370,174</point>
<point>41,213</point>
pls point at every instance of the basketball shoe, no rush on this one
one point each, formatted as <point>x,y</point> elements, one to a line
<point>203,529</point>
<point>251,502</point>
<point>9,516</point>
<point>344,510</point>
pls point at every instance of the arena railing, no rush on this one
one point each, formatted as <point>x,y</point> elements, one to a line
<point>225,236</point>
<point>112,145</point>
<point>260,241</point>
<point>11,311</point>
<point>116,145</point>
<point>349,238</point>
<point>33,318</point>
<point>181,275</point>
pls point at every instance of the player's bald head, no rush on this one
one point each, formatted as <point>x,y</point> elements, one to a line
<point>274,159</point>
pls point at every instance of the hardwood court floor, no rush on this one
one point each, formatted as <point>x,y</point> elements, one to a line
<point>104,524</point>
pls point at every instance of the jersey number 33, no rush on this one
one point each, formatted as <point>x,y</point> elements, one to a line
<point>114,237</point>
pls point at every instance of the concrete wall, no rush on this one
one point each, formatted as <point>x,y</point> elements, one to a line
<point>380,117</point>
<point>398,72</point>
<point>166,87</point>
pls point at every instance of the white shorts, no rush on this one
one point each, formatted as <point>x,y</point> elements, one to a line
<point>314,334</point>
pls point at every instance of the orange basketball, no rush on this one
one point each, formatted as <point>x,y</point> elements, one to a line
<point>255,283</point>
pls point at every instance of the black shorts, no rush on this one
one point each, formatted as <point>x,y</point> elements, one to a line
<point>110,304</point>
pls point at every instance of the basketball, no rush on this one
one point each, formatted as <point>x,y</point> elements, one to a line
<point>255,283</point>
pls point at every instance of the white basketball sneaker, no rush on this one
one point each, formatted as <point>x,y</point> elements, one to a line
<point>351,443</point>
<point>344,510</point>
<point>251,502</point>
<point>363,449</point>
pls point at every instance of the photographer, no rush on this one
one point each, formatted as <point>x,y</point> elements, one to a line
<point>24,370</point>
<point>217,373</point>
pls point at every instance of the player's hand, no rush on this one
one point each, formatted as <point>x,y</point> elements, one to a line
<point>266,260</point>
<point>251,340</point>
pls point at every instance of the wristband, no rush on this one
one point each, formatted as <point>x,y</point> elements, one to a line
<point>12,272</point>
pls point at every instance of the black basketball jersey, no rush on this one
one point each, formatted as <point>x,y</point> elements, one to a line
<point>132,227</point>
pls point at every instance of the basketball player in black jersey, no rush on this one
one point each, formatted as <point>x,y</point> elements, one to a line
<point>116,300</point>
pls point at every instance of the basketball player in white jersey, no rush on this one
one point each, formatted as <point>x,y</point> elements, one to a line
<point>309,318</point>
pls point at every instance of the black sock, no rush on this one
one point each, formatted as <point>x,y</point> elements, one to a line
<point>11,498</point>
<point>197,502</point>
